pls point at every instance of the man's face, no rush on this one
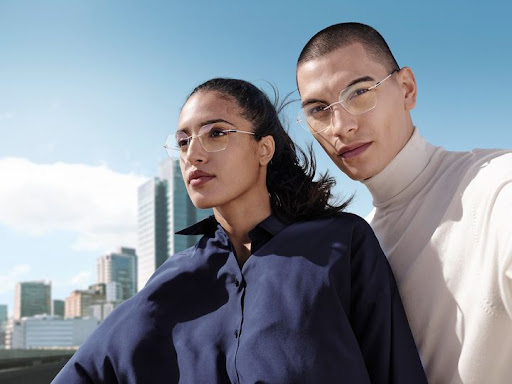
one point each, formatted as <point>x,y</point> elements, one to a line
<point>362,145</point>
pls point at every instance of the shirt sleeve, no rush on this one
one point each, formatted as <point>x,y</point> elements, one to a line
<point>377,315</point>
<point>72,373</point>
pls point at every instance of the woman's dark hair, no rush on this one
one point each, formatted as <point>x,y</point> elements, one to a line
<point>294,194</point>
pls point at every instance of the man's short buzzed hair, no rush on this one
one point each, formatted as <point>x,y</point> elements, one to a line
<point>343,34</point>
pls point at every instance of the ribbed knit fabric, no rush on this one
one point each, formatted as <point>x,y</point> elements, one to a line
<point>443,219</point>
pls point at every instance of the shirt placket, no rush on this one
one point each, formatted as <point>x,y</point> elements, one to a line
<point>240,286</point>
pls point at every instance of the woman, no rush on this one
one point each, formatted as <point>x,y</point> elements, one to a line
<point>282,287</point>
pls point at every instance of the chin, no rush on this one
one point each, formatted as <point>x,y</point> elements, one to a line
<point>352,173</point>
<point>358,174</point>
<point>200,202</point>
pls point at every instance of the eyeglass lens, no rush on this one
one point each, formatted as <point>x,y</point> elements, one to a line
<point>212,139</point>
<point>356,100</point>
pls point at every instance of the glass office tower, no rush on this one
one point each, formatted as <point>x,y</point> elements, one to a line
<point>164,208</point>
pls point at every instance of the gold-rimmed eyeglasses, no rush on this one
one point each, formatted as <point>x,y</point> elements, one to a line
<point>213,138</point>
<point>356,99</point>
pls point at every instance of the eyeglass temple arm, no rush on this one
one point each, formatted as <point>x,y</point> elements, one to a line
<point>383,80</point>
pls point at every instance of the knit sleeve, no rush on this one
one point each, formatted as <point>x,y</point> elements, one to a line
<point>501,222</point>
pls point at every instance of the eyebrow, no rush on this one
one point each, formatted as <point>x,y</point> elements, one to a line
<point>355,81</point>
<point>206,122</point>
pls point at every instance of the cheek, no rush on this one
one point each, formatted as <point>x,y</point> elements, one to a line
<point>327,146</point>
<point>182,168</point>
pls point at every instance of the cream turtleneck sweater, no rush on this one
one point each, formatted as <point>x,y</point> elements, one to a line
<point>444,220</point>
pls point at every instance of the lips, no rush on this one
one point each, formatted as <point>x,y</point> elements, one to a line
<point>197,178</point>
<point>350,151</point>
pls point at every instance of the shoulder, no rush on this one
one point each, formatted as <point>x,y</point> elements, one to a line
<point>494,164</point>
<point>174,263</point>
<point>475,174</point>
<point>351,220</point>
<point>491,171</point>
<point>342,225</point>
<point>483,163</point>
<point>144,310</point>
<point>346,219</point>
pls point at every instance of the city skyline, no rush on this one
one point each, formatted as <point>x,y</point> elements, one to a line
<point>90,90</point>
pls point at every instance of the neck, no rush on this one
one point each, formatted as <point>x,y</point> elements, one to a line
<point>401,171</point>
<point>238,219</point>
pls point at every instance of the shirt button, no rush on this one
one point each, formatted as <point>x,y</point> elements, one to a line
<point>237,283</point>
<point>236,334</point>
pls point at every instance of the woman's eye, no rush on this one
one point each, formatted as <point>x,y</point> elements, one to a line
<point>182,142</point>
<point>216,133</point>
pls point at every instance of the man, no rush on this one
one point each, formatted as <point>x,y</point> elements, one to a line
<point>440,216</point>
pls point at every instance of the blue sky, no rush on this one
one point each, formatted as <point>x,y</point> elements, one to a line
<point>89,90</point>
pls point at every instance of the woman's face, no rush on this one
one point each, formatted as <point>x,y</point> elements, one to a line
<point>235,175</point>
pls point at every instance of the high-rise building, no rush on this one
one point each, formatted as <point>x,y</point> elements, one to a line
<point>3,324</point>
<point>78,302</point>
<point>119,267</point>
<point>58,308</point>
<point>3,313</point>
<point>152,246</point>
<point>164,208</point>
<point>181,212</point>
<point>32,298</point>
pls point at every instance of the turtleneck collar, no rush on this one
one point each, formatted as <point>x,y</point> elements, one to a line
<point>402,170</point>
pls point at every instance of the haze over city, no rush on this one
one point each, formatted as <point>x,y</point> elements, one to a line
<point>90,90</point>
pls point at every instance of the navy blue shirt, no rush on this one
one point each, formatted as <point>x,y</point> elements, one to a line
<point>316,302</point>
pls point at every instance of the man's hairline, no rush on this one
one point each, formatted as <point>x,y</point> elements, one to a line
<point>372,57</point>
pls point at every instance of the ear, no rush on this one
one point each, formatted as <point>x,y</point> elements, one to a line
<point>267,147</point>
<point>408,83</point>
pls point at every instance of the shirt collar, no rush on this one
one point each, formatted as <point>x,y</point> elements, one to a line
<point>402,170</point>
<point>271,225</point>
<point>208,226</point>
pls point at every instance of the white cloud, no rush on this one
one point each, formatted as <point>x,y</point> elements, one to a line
<point>13,275</point>
<point>96,203</point>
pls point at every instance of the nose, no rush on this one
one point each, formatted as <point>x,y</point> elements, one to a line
<point>195,151</point>
<point>342,122</point>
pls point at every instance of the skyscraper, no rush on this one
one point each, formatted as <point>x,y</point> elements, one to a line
<point>32,298</point>
<point>164,208</point>
<point>181,212</point>
<point>119,267</point>
<point>152,246</point>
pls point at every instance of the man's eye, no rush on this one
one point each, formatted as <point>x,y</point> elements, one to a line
<point>356,93</point>
<point>316,110</point>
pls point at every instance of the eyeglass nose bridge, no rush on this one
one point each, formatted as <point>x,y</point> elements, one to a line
<point>189,144</point>
<point>331,109</point>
